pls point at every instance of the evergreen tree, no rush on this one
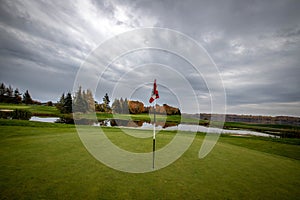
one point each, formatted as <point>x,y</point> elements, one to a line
<point>116,107</point>
<point>9,92</point>
<point>2,89</point>
<point>2,92</point>
<point>106,102</point>
<point>67,107</point>
<point>125,107</point>
<point>60,104</point>
<point>9,95</point>
<point>17,96</point>
<point>27,98</point>
<point>90,100</point>
<point>62,99</point>
<point>80,104</point>
<point>121,105</point>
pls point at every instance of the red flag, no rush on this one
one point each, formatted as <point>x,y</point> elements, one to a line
<point>154,93</point>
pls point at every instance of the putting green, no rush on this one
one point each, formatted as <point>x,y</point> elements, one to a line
<point>39,161</point>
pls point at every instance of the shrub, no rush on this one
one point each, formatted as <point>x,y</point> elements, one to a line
<point>5,114</point>
<point>21,114</point>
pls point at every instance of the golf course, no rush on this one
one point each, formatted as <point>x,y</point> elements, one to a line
<point>48,161</point>
<point>149,100</point>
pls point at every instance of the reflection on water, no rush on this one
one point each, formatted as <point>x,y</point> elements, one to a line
<point>134,123</point>
<point>174,126</point>
<point>159,126</point>
<point>44,119</point>
<point>198,128</point>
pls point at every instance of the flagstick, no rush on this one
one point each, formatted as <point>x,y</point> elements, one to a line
<point>154,134</point>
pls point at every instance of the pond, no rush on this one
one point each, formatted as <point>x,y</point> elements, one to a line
<point>160,126</point>
<point>44,119</point>
<point>188,127</point>
<point>181,127</point>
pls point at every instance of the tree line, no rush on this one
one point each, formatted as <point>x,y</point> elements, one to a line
<point>82,101</point>
<point>120,106</point>
<point>10,95</point>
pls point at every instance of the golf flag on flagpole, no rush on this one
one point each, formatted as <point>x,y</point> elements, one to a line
<point>153,97</point>
<point>154,93</point>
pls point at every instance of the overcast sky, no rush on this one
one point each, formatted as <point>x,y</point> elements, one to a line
<point>254,44</point>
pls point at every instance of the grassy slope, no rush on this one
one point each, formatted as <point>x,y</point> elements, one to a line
<point>35,109</point>
<point>267,128</point>
<point>46,162</point>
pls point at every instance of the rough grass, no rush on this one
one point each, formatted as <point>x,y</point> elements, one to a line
<point>37,110</point>
<point>276,129</point>
<point>41,161</point>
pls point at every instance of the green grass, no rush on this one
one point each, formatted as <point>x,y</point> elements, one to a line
<point>276,129</point>
<point>36,110</point>
<point>281,130</point>
<point>4,122</point>
<point>286,147</point>
<point>46,161</point>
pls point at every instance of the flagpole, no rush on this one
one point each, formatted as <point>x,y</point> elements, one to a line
<point>153,161</point>
<point>154,96</point>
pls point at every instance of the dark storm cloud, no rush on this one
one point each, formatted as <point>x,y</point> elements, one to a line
<point>255,44</point>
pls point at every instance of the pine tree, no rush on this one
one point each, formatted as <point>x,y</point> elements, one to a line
<point>80,104</point>
<point>116,107</point>
<point>106,102</point>
<point>2,89</point>
<point>121,105</point>
<point>68,103</point>
<point>17,96</point>
<point>125,107</point>
<point>27,98</point>
<point>9,91</point>
<point>2,92</point>
<point>62,99</point>
<point>60,104</point>
<point>90,100</point>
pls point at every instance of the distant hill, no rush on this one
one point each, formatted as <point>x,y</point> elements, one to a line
<point>283,120</point>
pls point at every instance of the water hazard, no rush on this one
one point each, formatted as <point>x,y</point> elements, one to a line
<point>159,126</point>
<point>175,126</point>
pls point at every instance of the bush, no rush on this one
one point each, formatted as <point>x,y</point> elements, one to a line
<point>66,119</point>
<point>6,114</point>
<point>49,103</point>
<point>21,114</point>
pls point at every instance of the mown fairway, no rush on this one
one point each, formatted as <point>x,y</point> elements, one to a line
<point>48,161</point>
<point>35,109</point>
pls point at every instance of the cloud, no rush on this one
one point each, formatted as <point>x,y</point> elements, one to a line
<point>255,44</point>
